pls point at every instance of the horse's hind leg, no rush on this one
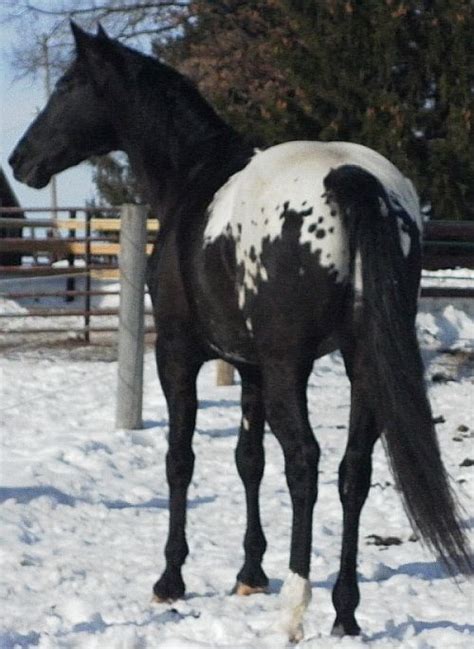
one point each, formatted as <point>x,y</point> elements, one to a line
<point>354,483</point>
<point>285,382</point>
<point>250,460</point>
<point>178,365</point>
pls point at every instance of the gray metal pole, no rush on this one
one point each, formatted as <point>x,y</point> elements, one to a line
<point>132,263</point>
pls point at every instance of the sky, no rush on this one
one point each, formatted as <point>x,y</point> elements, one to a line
<point>19,103</point>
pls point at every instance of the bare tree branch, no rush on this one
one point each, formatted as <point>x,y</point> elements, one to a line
<point>134,22</point>
<point>106,8</point>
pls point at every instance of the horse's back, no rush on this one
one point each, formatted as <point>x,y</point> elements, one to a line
<point>284,242</point>
<point>288,179</point>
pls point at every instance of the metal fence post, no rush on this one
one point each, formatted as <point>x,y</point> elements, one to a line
<point>87,292</point>
<point>132,263</point>
<point>71,281</point>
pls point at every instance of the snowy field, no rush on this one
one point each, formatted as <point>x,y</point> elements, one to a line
<point>84,512</point>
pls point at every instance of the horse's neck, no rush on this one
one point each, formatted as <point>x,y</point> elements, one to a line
<point>183,182</point>
<point>183,152</point>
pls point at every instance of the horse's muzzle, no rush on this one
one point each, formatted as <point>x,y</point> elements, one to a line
<point>27,171</point>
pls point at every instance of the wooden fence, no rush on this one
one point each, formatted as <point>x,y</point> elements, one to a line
<point>89,248</point>
<point>82,245</point>
<point>79,245</point>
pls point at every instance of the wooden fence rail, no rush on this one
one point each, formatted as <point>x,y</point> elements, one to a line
<point>87,249</point>
<point>93,241</point>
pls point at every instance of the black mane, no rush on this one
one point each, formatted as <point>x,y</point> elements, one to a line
<point>182,137</point>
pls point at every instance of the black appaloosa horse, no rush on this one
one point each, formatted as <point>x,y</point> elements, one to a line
<point>267,259</point>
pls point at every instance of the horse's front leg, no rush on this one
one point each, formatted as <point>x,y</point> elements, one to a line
<point>250,461</point>
<point>178,363</point>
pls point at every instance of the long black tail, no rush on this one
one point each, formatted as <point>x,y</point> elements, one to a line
<point>389,295</point>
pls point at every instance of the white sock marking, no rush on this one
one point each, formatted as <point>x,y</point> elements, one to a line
<point>295,597</point>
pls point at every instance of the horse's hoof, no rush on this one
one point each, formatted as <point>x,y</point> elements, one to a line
<point>250,580</point>
<point>156,599</point>
<point>296,635</point>
<point>340,629</point>
<point>244,590</point>
<point>169,587</point>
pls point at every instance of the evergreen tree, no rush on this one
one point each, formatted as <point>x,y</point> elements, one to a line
<point>395,76</point>
<point>231,51</point>
<point>398,77</point>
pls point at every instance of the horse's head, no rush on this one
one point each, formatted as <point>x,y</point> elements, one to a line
<point>76,122</point>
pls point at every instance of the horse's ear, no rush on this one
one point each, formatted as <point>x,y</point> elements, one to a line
<point>95,51</point>
<point>81,38</point>
<point>101,33</point>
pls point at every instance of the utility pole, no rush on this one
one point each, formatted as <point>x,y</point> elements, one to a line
<point>47,88</point>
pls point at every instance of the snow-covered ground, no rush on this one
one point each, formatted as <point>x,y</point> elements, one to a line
<point>84,512</point>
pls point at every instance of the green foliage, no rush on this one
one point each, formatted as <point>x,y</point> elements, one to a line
<point>398,77</point>
<point>231,52</point>
<point>395,76</point>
